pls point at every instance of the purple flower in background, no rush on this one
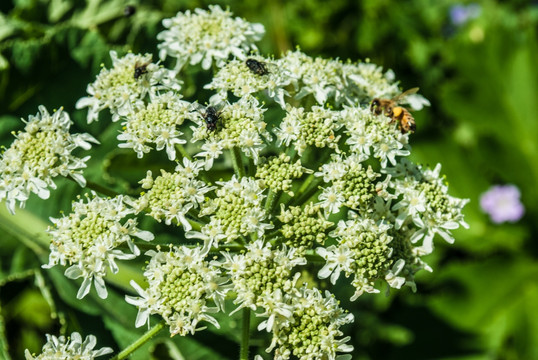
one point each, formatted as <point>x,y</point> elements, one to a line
<point>502,203</point>
<point>460,14</point>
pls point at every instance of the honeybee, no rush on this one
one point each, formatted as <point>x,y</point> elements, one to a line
<point>390,108</point>
<point>211,118</point>
<point>257,67</point>
<point>140,69</point>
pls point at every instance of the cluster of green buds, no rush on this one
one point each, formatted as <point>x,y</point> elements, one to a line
<point>283,170</point>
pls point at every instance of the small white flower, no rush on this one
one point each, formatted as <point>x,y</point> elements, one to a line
<point>336,259</point>
<point>332,171</point>
<point>211,234</point>
<point>331,200</point>
<point>388,149</point>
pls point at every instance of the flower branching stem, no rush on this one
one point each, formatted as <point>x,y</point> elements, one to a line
<point>271,200</point>
<point>245,336</point>
<point>307,190</point>
<point>141,341</point>
<point>237,162</point>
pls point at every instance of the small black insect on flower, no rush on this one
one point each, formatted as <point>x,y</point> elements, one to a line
<point>211,117</point>
<point>257,67</point>
<point>140,69</point>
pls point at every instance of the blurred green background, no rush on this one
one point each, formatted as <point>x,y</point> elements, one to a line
<point>481,77</point>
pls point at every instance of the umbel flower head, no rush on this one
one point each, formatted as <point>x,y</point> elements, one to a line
<point>283,170</point>
<point>40,153</point>
<point>157,124</point>
<point>183,288</point>
<point>313,329</point>
<point>238,78</point>
<point>207,36</point>
<point>88,239</point>
<point>71,348</point>
<point>122,88</point>
<point>260,272</point>
<point>171,196</point>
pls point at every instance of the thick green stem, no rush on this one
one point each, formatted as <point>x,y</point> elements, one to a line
<point>183,152</point>
<point>237,162</point>
<point>272,197</point>
<point>245,336</point>
<point>309,188</point>
<point>141,341</point>
<point>305,185</point>
<point>251,167</point>
<point>196,226</point>
<point>101,189</point>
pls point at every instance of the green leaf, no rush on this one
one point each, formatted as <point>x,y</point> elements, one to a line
<point>497,298</point>
<point>90,50</point>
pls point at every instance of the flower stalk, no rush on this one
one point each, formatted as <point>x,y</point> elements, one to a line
<point>124,354</point>
<point>245,334</point>
<point>237,162</point>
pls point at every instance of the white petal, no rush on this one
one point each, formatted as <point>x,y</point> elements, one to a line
<point>325,271</point>
<point>84,288</point>
<point>100,287</point>
<point>144,235</point>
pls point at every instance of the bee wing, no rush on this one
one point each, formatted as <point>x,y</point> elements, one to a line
<point>399,97</point>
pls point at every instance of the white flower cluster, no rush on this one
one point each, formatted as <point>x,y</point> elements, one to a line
<point>293,173</point>
<point>353,183</point>
<point>239,125</point>
<point>156,123</point>
<point>207,36</point>
<point>364,251</point>
<point>370,135</point>
<point>40,153</point>
<point>236,211</point>
<point>304,128</point>
<point>243,81</point>
<point>424,201</point>
<point>171,196</point>
<point>89,238</point>
<point>346,83</point>
<point>181,287</point>
<point>278,173</point>
<point>313,329</point>
<point>122,88</point>
<point>71,348</point>
<point>261,275</point>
